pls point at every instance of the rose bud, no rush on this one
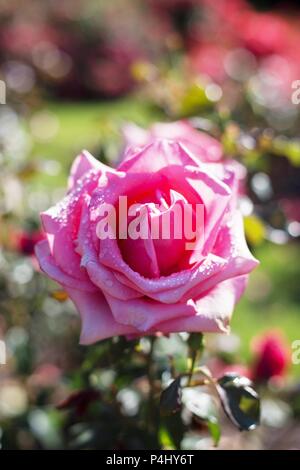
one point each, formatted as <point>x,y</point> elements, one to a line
<point>272,357</point>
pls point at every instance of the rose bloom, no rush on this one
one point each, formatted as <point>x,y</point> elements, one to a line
<point>141,287</point>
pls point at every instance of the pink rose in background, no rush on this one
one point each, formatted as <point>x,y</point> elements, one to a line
<point>140,287</point>
<point>218,368</point>
<point>202,145</point>
<point>264,33</point>
<point>231,40</point>
<point>208,59</point>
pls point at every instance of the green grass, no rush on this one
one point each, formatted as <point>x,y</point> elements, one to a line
<point>87,126</point>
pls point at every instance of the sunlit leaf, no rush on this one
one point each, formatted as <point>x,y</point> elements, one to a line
<point>255,229</point>
<point>240,401</point>
<point>214,429</point>
<point>194,100</point>
<point>165,439</point>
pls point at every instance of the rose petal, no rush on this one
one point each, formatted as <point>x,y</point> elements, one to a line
<point>232,247</point>
<point>49,266</point>
<point>107,282</point>
<point>81,165</point>
<point>204,147</point>
<point>97,320</point>
<point>214,310</point>
<point>157,155</point>
<point>61,222</point>
<point>174,288</point>
<point>145,313</point>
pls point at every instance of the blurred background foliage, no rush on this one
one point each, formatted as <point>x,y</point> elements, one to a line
<point>75,72</point>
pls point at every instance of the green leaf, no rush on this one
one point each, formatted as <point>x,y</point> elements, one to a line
<point>240,401</point>
<point>175,428</point>
<point>171,398</point>
<point>194,100</point>
<point>255,229</point>
<point>165,439</point>
<point>214,429</point>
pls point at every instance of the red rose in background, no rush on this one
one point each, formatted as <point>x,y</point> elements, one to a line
<point>272,357</point>
<point>26,241</point>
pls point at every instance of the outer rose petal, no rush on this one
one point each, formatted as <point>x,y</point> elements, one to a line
<point>48,266</point>
<point>205,147</point>
<point>231,246</point>
<point>214,310</point>
<point>134,135</point>
<point>61,222</point>
<point>107,282</point>
<point>157,155</point>
<point>144,313</point>
<point>81,165</point>
<point>97,320</point>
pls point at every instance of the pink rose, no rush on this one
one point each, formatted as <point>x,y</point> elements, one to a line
<point>140,287</point>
